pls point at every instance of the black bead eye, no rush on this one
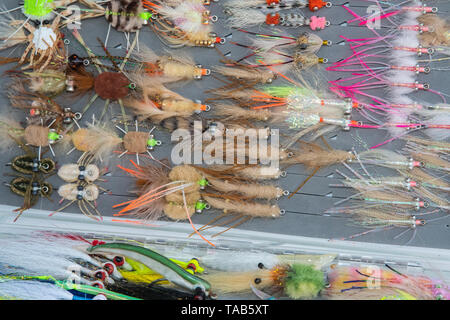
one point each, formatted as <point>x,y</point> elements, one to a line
<point>261,265</point>
<point>257,280</point>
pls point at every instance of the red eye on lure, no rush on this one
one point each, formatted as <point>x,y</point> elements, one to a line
<point>119,261</point>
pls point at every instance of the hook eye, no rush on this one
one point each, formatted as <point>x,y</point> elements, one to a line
<point>286,193</point>
<point>426,86</point>
<point>78,116</point>
<point>328,5</point>
<point>427,70</point>
<point>159,142</point>
<point>325,60</point>
<point>66,41</point>
<point>222,40</point>
<point>132,86</point>
<point>434,10</point>
<point>214,18</point>
<point>282,212</point>
<point>283,174</point>
<point>327,23</point>
<point>207,108</point>
<point>86,62</point>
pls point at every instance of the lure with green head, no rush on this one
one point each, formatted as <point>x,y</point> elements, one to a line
<point>38,9</point>
<point>156,262</point>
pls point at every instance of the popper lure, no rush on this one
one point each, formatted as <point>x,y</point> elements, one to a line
<point>160,264</point>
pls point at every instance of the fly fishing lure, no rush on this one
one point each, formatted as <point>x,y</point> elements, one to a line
<point>395,192</point>
<point>241,18</point>
<point>394,160</point>
<point>376,219</point>
<point>42,42</point>
<point>84,194</point>
<point>31,189</point>
<point>34,254</point>
<point>32,186</point>
<point>402,48</point>
<point>252,261</point>
<point>272,5</point>
<point>41,10</point>
<point>100,141</point>
<point>306,42</point>
<point>183,23</point>
<point>157,103</point>
<point>386,284</point>
<point>296,281</point>
<point>83,170</point>
<point>160,264</point>
<point>376,189</point>
<point>30,163</point>
<point>271,50</point>
<point>294,106</point>
<point>41,108</point>
<point>36,135</point>
<point>185,190</point>
<point>434,30</point>
<point>169,67</point>
<point>80,187</point>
